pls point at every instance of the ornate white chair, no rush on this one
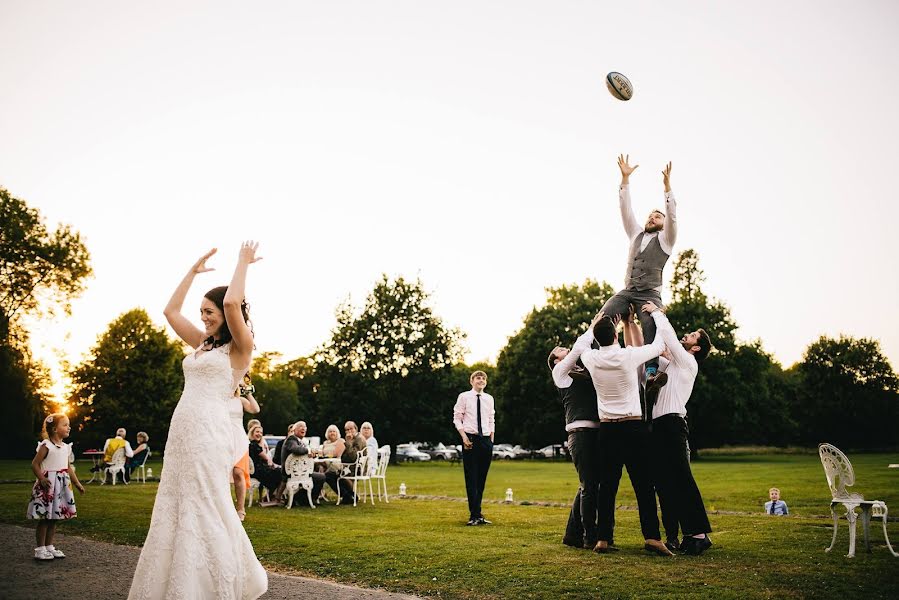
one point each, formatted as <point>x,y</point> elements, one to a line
<point>142,477</point>
<point>840,475</point>
<point>254,486</point>
<point>117,466</point>
<point>299,472</point>
<point>380,473</point>
<point>357,472</point>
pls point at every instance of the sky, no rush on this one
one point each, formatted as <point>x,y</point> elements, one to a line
<point>470,144</point>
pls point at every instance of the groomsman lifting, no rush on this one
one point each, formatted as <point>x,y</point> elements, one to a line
<point>678,493</point>
<point>650,248</point>
<point>578,398</point>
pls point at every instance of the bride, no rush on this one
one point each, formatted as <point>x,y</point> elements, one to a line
<point>197,546</point>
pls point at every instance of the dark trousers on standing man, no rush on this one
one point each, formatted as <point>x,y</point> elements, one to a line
<point>678,493</point>
<point>476,463</point>
<point>583,445</point>
<point>626,444</point>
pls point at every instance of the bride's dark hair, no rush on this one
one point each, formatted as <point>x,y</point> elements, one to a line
<point>217,296</point>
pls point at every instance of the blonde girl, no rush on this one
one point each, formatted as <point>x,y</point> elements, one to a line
<point>51,497</point>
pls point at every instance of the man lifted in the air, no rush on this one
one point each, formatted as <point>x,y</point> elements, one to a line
<point>650,247</point>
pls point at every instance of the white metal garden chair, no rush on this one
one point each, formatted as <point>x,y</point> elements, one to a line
<point>142,477</point>
<point>254,486</point>
<point>840,475</point>
<point>117,466</point>
<point>357,472</point>
<point>299,472</point>
<point>380,473</point>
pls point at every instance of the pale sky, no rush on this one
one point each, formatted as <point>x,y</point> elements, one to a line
<point>472,144</point>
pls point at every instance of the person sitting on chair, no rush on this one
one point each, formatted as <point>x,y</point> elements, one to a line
<point>139,455</point>
<point>111,446</point>
<point>294,446</point>
<point>264,470</point>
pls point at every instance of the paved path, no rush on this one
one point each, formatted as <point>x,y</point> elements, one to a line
<point>89,569</point>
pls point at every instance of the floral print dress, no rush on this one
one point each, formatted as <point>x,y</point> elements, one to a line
<point>58,502</point>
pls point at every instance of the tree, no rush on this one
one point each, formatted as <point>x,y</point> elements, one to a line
<point>389,364</point>
<point>133,379</point>
<point>39,270</point>
<point>848,394</point>
<point>532,413</point>
<point>276,393</point>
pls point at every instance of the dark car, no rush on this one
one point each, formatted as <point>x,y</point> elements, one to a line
<point>439,451</point>
<point>408,452</point>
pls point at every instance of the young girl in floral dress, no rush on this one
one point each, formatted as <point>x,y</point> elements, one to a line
<point>51,497</point>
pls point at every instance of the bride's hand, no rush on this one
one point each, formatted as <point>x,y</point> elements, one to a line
<point>248,252</point>
<point>200,265</point>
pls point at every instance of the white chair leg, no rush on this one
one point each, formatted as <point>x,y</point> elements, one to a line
<point>386,495</point>
<point>113,477</point>
<point>893,552</point>
<point>850,514</point>
<point>836,520</point>
<point>338,492</point>
<point>866,526</point>
<point>289,498</point>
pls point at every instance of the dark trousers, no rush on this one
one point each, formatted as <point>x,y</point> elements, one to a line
<point>583,524</point>
<point>619,305</point>
<point>678,493</point>
<point>626,444</point>
<point>476,462</point>
<point>346,492</point>
<point>301,498</point>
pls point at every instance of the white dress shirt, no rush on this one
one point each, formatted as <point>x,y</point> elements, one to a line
<point>562,374</point>
<point>614,372</point>
<point>465,413</point>
<point>632,227</point>
<point>682,370</point>
<point>129,453</point>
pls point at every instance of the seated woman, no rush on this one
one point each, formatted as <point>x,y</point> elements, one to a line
<point>332,447</point>
<point>265,471</point>
<point>140,454</point>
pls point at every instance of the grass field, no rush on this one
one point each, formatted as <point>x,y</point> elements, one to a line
<point>422,546</point>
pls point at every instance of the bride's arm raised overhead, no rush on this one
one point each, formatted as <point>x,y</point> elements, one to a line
<point>186,330</point>
<point>241,336</point>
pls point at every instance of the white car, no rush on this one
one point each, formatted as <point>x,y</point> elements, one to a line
<point>408,452</point>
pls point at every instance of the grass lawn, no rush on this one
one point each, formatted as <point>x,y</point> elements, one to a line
<point>422,546</point>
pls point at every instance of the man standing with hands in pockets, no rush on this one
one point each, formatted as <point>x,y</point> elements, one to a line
<point>474,417</point>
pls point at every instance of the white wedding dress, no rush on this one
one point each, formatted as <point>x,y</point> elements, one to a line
<point>197,546</point>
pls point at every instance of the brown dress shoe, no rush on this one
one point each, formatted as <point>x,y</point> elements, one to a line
<point>657,547</point>
<point>601,547</point>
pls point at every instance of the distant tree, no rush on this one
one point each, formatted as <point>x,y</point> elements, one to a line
<point>132,379</point>
<point>390,365</point>
<point>531,412</point>
<point>276,393</point>
<point>848,394</point>
<point>39,272</point>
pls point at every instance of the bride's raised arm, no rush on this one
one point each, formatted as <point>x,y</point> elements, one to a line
<point>186,330</point>
<point>241,336</point>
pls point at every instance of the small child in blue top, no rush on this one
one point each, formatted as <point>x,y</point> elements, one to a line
<point>51,496</point>
<point>776,506</point>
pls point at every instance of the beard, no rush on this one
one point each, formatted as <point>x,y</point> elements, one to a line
<point>652,228</point>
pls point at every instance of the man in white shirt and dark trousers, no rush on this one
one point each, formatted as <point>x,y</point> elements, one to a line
<point>678,492</point>
<point>623,436</point>
<point>649,250</point>
<point>578,398</point>
<point>474,416</point>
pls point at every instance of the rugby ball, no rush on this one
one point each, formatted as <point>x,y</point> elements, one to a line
<point>619,86</point>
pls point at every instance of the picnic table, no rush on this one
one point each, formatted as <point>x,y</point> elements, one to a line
<point>97,457</point>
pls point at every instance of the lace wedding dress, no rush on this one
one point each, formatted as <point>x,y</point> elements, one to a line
<point>197,546</point>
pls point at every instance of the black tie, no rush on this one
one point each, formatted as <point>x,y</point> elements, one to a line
<point>480,429</point>
<point>772,506</point>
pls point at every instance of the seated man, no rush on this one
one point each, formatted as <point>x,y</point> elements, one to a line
<point>294,445</point>
<point>111,446</point>
<point>354,444</point>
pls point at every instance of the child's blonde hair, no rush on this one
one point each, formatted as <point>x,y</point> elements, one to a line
<point>50,422</point>
<point>774,490</point>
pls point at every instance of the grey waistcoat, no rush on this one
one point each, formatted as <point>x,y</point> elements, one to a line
<point>645,268</point>
<point>579,401</point>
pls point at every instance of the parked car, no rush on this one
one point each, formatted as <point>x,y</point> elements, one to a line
<point>553,451</point>
<point>503,451</point>
<point>439,452</point>
<point>408,452</point>
<point>272,440</point>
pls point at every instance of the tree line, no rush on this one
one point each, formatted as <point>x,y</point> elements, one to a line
<point>394,362</point>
